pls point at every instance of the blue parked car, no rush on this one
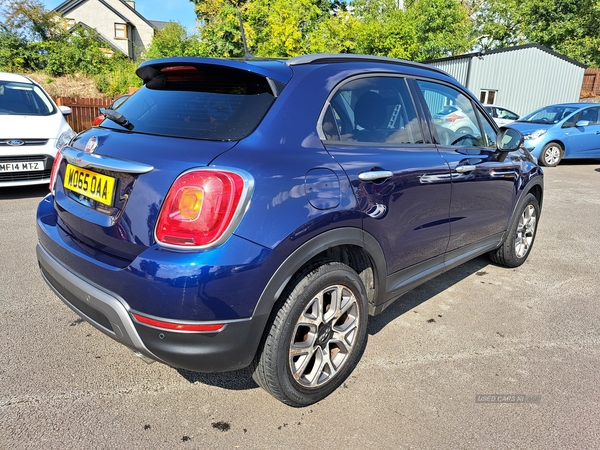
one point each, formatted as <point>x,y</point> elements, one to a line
<point>557,132</point>
<point>254,213</point>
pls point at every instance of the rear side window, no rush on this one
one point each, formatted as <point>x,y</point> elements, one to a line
<point>372,110</point>
<point>204,102</point>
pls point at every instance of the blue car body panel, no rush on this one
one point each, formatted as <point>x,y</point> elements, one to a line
<point>577,141</point>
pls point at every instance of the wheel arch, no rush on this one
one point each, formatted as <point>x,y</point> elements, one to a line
<point>351,246</point>
<point>537,189</point>
<point>557,141</point>
<point>535,186</point>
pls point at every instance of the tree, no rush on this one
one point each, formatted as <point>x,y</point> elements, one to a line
<point>497,23</point>
<point>78,52</point>
<point>14,53</point>
<point>569,27</point>
<point>172,40</point>
<point>281,28</point>
<point>442,28</point>
<point>384,29</point>
<point>336,34</point>
<point>30,20</point>
<point>220,30</point>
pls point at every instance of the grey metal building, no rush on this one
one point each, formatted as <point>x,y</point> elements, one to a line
<point>521,78</point>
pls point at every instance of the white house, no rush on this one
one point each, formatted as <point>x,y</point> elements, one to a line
<point>116,21</point>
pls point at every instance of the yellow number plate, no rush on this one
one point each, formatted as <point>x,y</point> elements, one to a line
<point>91,184</point>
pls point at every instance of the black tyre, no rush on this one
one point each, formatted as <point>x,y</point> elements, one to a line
<point>315,338</point>
<point>521,234</point>
<point>551,155</point>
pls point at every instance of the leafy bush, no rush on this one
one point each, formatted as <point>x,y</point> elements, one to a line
<point>14,52</point>
<point>118,79</point>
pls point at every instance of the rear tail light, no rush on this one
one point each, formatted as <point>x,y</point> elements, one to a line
<point>98,120</point>
<point>54,172</point>
<point>454,117</point>
<point>179,326</point>
<point>202,208</point>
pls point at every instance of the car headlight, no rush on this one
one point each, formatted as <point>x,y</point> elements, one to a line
<point>534,135</point>
<point>64,138</point>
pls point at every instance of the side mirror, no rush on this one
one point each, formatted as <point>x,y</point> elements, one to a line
<point>583,123</point>
<point>509,139</point>
<point>65,110</point>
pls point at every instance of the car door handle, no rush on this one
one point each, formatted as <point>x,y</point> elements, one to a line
<point>466,168</point>
<point>375,175</point>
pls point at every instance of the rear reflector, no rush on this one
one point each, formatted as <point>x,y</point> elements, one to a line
<point>176,326</point>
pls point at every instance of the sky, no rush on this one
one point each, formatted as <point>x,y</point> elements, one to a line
<point>181,11</point>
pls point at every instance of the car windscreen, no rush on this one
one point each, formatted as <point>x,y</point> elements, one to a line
<point>550,114</point>
<point>24,99</point>
<point>200,102</point>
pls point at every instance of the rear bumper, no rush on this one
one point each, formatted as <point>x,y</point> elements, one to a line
<point>231,348</point>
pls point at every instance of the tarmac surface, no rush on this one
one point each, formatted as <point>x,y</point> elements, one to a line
<point>480,357</point>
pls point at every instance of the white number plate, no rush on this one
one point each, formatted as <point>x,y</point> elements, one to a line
<point>21,166</point>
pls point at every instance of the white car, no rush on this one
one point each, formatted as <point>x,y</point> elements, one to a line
<point>455,119</point>
<point>32,129</point>
<point>502,116</point>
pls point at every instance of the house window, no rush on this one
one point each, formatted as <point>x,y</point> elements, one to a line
<point>487,96</point>
<point>120,31</point>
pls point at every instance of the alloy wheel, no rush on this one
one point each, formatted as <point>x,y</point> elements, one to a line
<point>525,231</point>
<point>324,336</point>
<point>552,155</point>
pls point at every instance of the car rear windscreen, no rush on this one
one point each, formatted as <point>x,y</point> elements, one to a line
<point>201,102</point>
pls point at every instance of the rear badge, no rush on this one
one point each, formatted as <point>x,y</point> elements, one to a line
<point>91,145</point>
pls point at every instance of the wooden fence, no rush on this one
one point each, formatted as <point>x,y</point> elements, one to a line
<point>591,82</point>
<point>84,110</point>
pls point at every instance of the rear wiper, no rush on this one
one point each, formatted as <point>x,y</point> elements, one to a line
<point>117,118</point>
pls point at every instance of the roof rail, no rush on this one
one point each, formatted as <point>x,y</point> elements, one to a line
<point>330,58</point>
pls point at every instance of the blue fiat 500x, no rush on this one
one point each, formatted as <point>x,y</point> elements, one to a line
<point>254,213</point>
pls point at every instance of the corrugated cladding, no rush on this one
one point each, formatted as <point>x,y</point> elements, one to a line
<point>458,68</point>
<point>525,78</point>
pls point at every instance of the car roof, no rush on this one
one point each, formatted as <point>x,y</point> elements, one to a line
<point>278,69</point>
<point>572,105</point>
<point>330,58</point>
<point>13,77</point>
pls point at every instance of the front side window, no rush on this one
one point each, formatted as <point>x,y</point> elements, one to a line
<point>372,110</point>
<point>591,115</point>
<point>120,31</point>
<point>455,118</point>
<point>24,99</point>
<point>489,134</point>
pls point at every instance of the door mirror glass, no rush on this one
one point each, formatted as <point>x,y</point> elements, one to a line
<point>509,139</point>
